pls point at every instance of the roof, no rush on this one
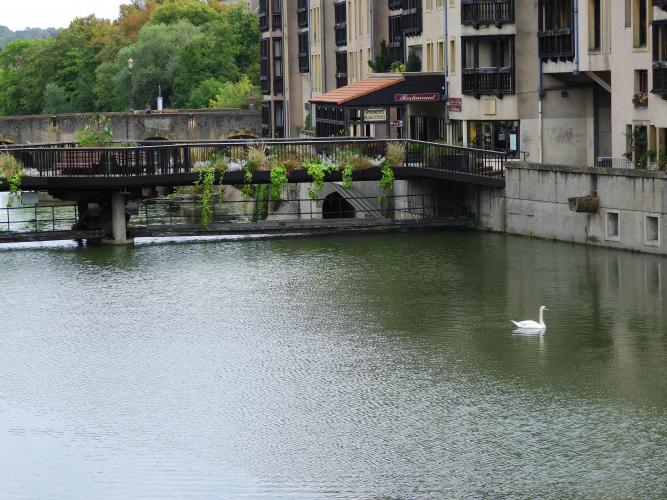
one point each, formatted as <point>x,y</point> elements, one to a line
<point>358,89</point>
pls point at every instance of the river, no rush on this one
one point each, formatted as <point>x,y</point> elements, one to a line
<point>353,367</point>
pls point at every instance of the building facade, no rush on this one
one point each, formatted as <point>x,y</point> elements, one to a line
<point>572,82</point>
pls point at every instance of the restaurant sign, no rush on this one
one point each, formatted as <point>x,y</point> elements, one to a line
<point>375,115</point>
<point>419,97</point>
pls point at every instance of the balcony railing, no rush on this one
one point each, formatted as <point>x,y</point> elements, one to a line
<point>660,78</point>
<point>478,81</point>
<point>555,44</point>
<point>660,3</point>
<point>485,12</point>
<point>411,22</point>
<point>395,4</point>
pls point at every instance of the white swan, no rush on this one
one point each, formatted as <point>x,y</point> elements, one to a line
<point>533,325</point>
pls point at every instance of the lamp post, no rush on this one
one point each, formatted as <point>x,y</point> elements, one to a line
<point>130,65</point>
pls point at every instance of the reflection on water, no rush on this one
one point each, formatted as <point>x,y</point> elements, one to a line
<point>355,367</point>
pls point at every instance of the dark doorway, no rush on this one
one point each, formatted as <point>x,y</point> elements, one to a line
<point>335,206</point>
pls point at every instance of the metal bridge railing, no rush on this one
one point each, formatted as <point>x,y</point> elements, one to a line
<point>183,157</point>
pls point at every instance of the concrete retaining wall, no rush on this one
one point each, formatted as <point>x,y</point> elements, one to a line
<point>632,214</point>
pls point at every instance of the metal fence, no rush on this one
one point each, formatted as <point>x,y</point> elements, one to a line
<point>168,213</point>
<point>38,218</point>
<point>56,160</point>
<point>613,162</point>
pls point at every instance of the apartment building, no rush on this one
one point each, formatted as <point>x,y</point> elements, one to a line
<point>553,81</point>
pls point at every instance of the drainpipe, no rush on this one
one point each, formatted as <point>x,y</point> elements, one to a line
<point>576,37</point>
<point>445,88</point>
<point>287,124</point>
<point>323,46</point>
<point>540,110</point>
<point>370,29</point>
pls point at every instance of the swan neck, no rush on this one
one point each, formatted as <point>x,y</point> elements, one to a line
<point>541,316</point>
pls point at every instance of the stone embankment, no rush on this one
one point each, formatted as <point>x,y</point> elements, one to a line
<point>632,211</point>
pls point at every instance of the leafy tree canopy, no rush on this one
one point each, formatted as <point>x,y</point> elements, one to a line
<point>175,44</point>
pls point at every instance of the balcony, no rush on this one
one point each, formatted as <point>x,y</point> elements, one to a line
<point>395,4</point>
<point>478,13</point>
<point>660,3</point>
<point>660,79</point>
<point>555,44</point>
<point>488,81</point>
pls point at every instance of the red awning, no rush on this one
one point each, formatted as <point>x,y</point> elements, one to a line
<point>357,89</point>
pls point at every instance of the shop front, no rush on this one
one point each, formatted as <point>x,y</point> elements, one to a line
<point>375,107</point>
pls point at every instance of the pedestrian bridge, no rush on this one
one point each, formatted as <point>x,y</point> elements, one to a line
<point>102,181</point>
<point>65,167</point>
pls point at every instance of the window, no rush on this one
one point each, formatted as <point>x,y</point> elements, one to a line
<point>652,230</point>
<point>396,39</point>
<point>441,57</point>
<point>278,119</point>
<point>302,13</point>
<point>488,65</point>
<point>439,3</point>
<point>628,13</point>
<point>452,57</point>
<point>555,28</point>
<point>277,19</point>
<point>612,228</point>
<point>429,56</point>
<point>639,23</point>
<point>341,69</point>
<point>315,25</point>
<point>277,65</point>
<point>266,119</point>
<point>594,24</point>
<point>660,58</point>
<point>641,81</point>
<point>411,17</point>
<point>263,11</point>
<point>264,66</point>
<point>340,24</point>
<point>303,52</point>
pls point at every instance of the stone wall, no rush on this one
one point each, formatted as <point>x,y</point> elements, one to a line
<point>176,126</point>
<point>632,214</point>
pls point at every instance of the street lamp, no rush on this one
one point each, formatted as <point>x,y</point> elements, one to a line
<point>130,65</point>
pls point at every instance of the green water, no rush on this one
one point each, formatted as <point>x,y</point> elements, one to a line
<point>333,367</point>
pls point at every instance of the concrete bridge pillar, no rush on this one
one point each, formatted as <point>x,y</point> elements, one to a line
<point>118,221</point>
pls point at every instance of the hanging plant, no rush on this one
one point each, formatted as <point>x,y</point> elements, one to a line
<point>278,180</point>
<point>12,170</point>
<point>205,181</point>
<point>247,189</point>
<point>387,178</point>
<point>317,170</point>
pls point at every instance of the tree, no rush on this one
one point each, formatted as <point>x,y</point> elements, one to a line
<point>382,63</point>
<point>156,55</point>
<point>209,54</point>
<point>193,11</point>
<point>204,93</point>
<point>236,95</point>
<point>414,63</point>
<point>55,100</point>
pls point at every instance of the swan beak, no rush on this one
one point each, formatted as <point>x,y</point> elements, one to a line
<point>546,308</point>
